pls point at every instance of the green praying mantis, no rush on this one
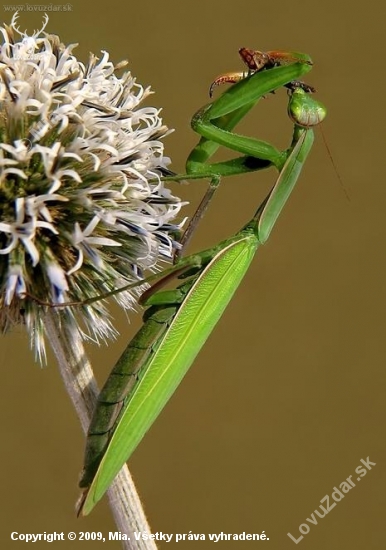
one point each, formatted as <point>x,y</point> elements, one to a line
<point>178,322</point>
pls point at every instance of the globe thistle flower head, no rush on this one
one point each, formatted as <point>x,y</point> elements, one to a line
<point>83,210</point>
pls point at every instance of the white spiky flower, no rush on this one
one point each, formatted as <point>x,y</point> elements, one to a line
<point>82,208</point>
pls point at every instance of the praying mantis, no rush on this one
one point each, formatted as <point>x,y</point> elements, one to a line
<point>178,322</point>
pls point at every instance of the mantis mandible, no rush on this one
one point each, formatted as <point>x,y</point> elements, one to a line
<point>177,323</point>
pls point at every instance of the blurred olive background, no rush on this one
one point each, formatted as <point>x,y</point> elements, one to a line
<point>288,394</point>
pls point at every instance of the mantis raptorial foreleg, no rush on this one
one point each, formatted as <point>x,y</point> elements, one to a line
<point>215,121</point>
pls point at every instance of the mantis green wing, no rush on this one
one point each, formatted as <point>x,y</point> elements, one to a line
<point>174,347</point>
<point>183,336</point>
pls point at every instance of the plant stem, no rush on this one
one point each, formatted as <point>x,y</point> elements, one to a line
<point>82,388</point>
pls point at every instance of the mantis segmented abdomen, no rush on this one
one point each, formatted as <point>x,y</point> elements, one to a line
<point>127,372</point>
